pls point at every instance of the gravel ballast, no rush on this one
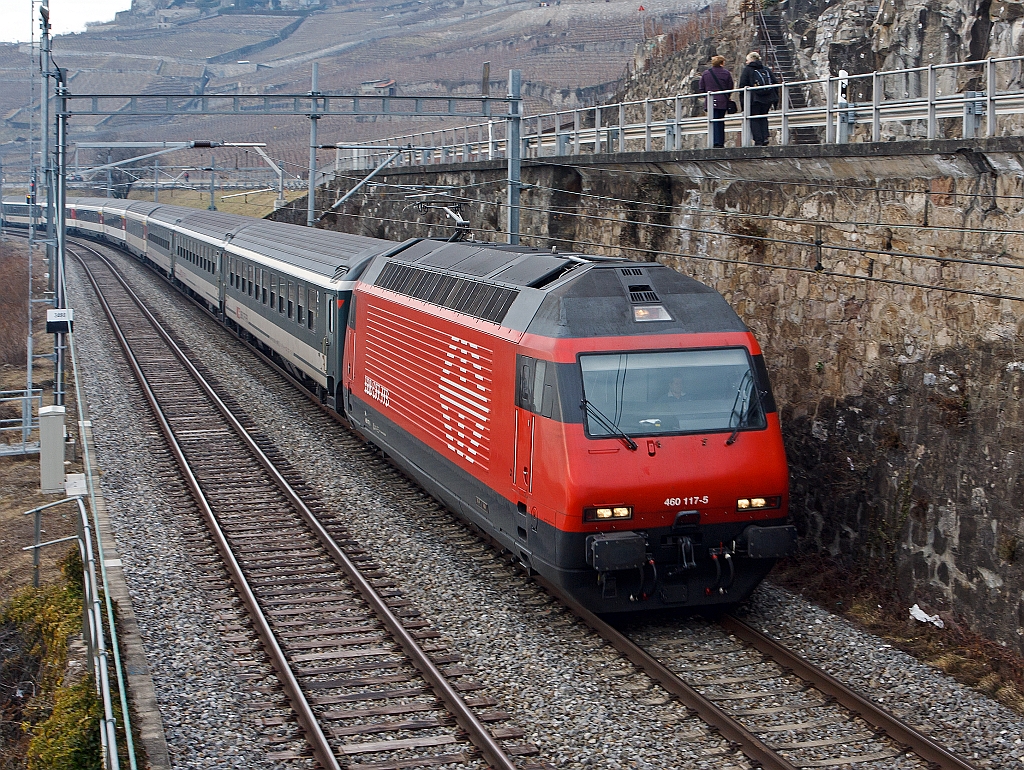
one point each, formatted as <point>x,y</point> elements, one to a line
<point>577,699</point>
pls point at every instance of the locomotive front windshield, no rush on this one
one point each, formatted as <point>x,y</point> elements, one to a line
<point>680,391</point>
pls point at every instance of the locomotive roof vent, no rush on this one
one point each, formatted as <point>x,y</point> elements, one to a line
<point>639,293</point>
<point>642,293</point>
<point>475,298</point>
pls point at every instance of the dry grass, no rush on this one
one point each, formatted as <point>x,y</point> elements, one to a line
<point>252,205</point>
<point>858,594</point>
<point>13,303</point>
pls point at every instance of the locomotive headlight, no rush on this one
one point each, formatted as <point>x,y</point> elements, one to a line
<point>608,513</point>
<point>758,503</point>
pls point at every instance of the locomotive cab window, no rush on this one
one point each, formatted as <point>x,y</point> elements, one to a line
<point>681,391</point>
<point>537,386</point>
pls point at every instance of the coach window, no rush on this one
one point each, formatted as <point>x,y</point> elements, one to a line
<point>330,313</point>
<point>300,316</point>
<point>248,270</point>
<point>291,299</point>
<point>273,291</point>
<point>312,302</point>
<point>280,296</point>
<point>266,276</point>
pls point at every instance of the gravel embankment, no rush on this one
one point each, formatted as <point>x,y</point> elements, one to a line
<point>577,699</point>
<point>205,685</point>
<point>963,720</point>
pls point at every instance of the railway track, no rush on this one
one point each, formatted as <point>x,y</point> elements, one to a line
<point>369,684</point>
<point>801,715</point>
<point>781,711</point>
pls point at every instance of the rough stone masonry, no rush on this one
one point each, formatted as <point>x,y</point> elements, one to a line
<point>901,405</point>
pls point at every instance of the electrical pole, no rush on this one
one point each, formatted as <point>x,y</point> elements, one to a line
<point>60,206</point>
<point>110,159</point>
<point>156,180</point>
<point>313,118</point>
<point>44,117</point>
<point>513,150</point>
<point>213,172</point>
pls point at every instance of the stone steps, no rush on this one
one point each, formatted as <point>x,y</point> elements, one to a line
<point>784,61</point>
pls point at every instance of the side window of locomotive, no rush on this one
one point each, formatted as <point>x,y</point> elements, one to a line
<point>524,388</point>
<point>537,387</point>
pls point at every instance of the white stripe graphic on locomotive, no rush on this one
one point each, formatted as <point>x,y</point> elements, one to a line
<point>461,404</point>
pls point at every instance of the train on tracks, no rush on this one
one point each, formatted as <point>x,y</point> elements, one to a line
<point>609,422</point>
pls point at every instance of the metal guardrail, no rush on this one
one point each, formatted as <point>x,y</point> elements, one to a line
<point>92,617</point>
<point>30,401</point>
<point>925,102</point>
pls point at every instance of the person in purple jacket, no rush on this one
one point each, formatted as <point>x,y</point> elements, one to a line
<point>717,78</point>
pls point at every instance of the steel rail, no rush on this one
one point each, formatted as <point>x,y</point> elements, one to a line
<point>476,731</point>
<point>867,710</point>
<point>752,746</point>
<point>303,711</point>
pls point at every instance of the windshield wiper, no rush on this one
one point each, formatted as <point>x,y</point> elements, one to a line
<point>608,425</point>
<point>748,379</point>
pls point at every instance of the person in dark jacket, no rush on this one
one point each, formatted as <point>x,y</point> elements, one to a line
<point>756,74</point>
<point>717,78</point>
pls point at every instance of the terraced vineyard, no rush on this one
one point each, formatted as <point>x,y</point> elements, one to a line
<point>567,50</point>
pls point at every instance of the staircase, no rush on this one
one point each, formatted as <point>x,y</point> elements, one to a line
<point>776,53</point>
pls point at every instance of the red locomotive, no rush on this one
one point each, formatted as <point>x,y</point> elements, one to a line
<point>609,422</point>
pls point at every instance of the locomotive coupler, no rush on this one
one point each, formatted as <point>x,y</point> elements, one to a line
<point>719,556</point>
<point>686,558</point>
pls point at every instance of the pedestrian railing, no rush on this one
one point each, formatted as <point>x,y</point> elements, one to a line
<point>942,101</point>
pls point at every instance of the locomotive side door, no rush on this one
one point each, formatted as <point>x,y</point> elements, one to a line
<point>522,470</point>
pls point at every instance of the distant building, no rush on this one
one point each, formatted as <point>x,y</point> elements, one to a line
<point>378,87</point>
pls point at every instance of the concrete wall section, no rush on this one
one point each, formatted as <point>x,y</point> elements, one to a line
<point>901,404</point>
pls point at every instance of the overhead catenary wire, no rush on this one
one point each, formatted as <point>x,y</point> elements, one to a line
<point>741,262</point>
<point>696,211</point>
<point>752,237</point>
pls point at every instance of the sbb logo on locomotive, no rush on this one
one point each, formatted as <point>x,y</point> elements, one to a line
<point>376,391</point>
